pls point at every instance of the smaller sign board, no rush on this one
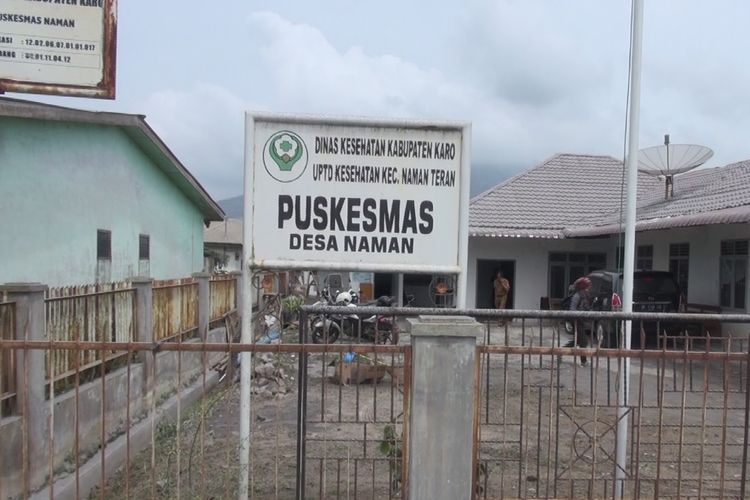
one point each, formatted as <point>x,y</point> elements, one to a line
<point>356,194</point>
<point>60,47</point>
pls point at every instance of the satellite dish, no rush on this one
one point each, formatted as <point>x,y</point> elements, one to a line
<point>672,159</point>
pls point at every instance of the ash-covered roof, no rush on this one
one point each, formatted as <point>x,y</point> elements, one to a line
<point>579,196</point>
<point>558,193</point>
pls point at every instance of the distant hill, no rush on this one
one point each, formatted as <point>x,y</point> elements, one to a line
<point>482,179</point>
<point>232,207</point>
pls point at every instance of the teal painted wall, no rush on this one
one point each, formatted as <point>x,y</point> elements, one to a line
<point>60,182</point>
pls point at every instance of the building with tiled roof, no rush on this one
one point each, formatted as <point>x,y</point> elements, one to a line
<point>562,219</point>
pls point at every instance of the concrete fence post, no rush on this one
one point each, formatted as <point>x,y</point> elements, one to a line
<point>204,303</point>
<point>144,330</point>
<point>31,376</point>
<point>442,407</point>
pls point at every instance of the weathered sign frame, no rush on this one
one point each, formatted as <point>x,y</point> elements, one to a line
<point>250,259</point>
<point>104,89</point>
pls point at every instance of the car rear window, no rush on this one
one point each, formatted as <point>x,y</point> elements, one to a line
<point>655,284</point>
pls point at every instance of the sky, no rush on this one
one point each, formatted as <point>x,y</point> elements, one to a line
<point>534,77</point>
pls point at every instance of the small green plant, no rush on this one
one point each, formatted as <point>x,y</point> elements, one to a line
<point>165,431</point>
<point>390,447</point>
<point>291,304</point>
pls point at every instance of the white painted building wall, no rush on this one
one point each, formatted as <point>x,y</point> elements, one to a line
<point>531,258</point>
<point>705,246</point>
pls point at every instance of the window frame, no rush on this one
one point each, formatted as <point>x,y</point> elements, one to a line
<point>100,253</point>
<point>590,261</point>
<point>644,257</point>
<point>141,239</point>
<point>680,257</point>
<point>733,257</point>
<point>638,258</point>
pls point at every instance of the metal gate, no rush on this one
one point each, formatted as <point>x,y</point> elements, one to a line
<point>353,402</point>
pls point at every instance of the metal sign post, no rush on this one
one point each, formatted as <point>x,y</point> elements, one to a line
<point>350,194</point>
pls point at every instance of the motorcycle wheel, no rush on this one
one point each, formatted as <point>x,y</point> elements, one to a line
<point>600,336</point>
<point>569,327</point>
<point>318,334</point>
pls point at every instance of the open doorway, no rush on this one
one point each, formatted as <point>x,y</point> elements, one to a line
<point>383,285</point>
<point>486,272</point>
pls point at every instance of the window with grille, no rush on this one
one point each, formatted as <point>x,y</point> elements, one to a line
<point>644,257</point>
<point>733,273</point>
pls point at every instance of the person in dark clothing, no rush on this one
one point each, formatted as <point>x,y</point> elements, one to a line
<point>580,301</point>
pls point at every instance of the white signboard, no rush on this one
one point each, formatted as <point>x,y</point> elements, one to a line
<point>57,46</point>
<point>356,194</point>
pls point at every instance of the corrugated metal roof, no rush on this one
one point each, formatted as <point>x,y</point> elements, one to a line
<point>137,128</point>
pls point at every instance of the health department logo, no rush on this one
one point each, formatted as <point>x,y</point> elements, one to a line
<point>285,156</point>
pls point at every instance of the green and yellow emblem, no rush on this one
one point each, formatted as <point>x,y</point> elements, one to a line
<point>285,156</point>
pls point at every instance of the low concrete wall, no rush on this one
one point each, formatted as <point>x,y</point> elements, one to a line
<point>115,398</point>
<point>10,452</point>
<point>115,405</point>
<point>115,453</point>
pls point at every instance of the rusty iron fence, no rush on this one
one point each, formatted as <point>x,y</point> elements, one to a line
<point>548,424</point>
<point>223,293</point>
<point>175,309</point>
<point>7,361</point>
<point>87,313</point>
<point>347,436</point>
<point>331,420</point>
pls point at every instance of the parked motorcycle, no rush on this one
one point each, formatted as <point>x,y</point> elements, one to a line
<point>327,328</point>
<point>380,328</point>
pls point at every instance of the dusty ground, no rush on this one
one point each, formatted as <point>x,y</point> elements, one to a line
<point>547,429</point>
<point>345,427</point>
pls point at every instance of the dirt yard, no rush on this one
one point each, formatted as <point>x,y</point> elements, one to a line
<point>547,428</point>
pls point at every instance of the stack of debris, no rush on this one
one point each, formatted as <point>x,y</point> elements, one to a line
<point>269,379</point>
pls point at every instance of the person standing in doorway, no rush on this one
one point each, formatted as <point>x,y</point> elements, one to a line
<point>502,287</point>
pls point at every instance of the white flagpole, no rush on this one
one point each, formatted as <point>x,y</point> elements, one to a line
<point>247,315</point>
<point>636,39</point>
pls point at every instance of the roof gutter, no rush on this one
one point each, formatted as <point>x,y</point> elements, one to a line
<point>734,215</point>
